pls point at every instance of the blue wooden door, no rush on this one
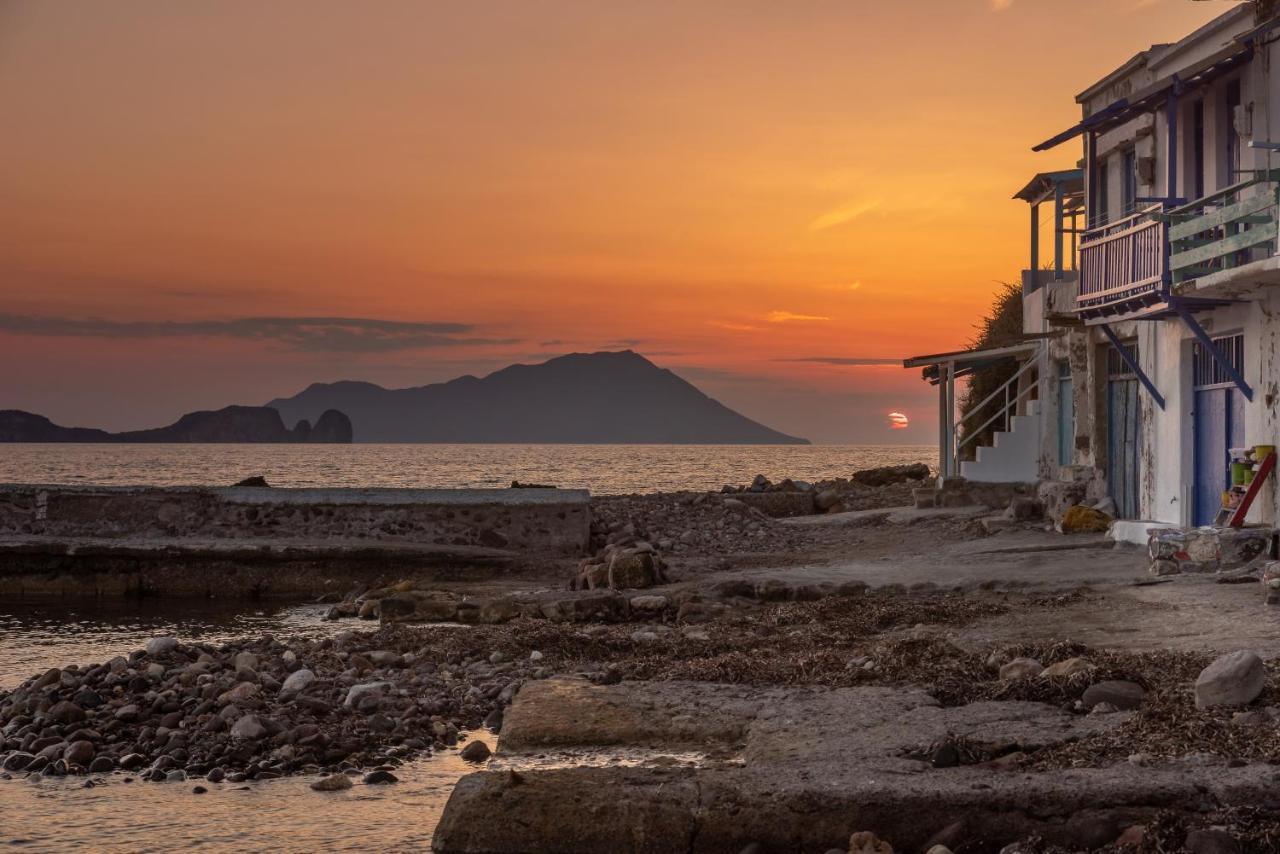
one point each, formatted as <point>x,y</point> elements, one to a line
<point>1122,445</point>
<point>1218,421</point>
<point>1066,415</point>
<point>1123,414</point>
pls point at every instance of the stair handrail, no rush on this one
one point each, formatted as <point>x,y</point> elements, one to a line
<point>1028,365</point>
<point>1010,403</point>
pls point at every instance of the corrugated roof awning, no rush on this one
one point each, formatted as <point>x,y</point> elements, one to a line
<point>1148,99</point>
<point>1044,185</point>
<point>966,357</point>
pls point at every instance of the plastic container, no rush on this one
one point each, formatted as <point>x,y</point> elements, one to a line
<point>1261,452</point>
<point>1240,473</point>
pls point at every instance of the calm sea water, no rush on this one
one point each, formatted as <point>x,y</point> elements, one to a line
<point>604,469</point>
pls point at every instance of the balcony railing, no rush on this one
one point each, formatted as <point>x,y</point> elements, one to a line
<point>1122,260</point>
<point>1227,229</point>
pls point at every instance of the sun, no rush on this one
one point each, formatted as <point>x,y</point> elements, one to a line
<point>898,421</point>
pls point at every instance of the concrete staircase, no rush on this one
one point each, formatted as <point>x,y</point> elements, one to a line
<point>1011,458</point>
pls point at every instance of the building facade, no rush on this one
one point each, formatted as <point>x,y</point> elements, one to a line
<point>1152,319</point>
<point>1170,359</point>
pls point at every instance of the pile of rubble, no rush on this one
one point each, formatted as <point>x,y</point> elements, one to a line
<point>255,709</point>
<point>689,523</point>
<point>887,486</point>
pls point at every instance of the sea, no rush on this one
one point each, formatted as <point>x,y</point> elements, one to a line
<point>603,469</point>
<point>55,815</point>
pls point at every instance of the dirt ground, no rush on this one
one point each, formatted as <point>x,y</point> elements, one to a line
<point>943,605</point>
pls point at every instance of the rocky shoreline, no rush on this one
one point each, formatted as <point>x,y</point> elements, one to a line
<point>255,710</point>
<point>774,647</point>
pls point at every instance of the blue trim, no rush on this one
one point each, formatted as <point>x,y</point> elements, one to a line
<point>1207,342</point>
<point>1132,363</point>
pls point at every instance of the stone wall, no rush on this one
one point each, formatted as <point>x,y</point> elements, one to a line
<point>538,522</point>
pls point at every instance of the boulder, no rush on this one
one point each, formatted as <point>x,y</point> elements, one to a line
<point>595,576</point>
<point>1066,669</point>
<point>248,728</point>
<point>887,475</point>
<point>826,499</point>
<point>1024,508</point>
<point>1085,520</point>
<point>649,604</point>
<point>67,712</point>
<point>242,693</point>
<point>632,569</point>
<point>1021,668</point>
<point>79,753</point>
<point>332,783</point>
<point>418,606</point>
<point>865,842</point>
<point>357,691</point>
<point>1234,679</point>
<point>1123,695</point>
<point>1212,841</point>
<point>297,682</point>
<point>161,646</point>
<point>475,751</point>
<point>500,610</point>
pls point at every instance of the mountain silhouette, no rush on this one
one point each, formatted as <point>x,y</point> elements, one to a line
<point>581,398</point>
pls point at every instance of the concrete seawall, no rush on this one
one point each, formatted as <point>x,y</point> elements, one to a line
<point>248,540</point>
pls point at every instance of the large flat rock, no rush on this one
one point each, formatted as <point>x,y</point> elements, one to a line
<point>795,770</point>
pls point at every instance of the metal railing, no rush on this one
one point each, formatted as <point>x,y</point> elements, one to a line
<point>1223,230</point>
<point>1012,398</point>
<point>1123,259</point>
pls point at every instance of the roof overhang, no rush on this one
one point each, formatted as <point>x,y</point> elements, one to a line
<point>1154,96</point>
<point>1045,185</point>
<point>972,357</point>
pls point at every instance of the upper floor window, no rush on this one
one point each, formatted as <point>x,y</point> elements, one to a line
<point>1102,207</point>
<point>1233,100</point>
<point>1128,182</point>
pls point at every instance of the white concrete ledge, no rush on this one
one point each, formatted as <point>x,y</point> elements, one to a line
<point>1135,531</point>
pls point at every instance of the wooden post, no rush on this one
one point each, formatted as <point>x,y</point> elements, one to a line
<point>1057,231</point>
<point>944,424</point>
<point>1091,179</point>
<point>954,465</point>
<point>1035,245</point>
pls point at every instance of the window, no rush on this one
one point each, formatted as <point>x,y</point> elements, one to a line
<point>1207,371</point>
<point>1128,182</point>
<point>1117,367</point>
<point>1197,149</point>
<point>1102,210</point>
<point>1233,136</point>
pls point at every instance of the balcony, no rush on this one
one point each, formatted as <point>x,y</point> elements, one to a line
<point>1122,264</point>
<point>1147,263</point>
<point>1227,230</point>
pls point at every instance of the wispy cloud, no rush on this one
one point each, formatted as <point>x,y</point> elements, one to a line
<point>844,214</point>
<point>792,317</point>
<point>854,361</point>
<point>307,334</point>
<point>733,326</point>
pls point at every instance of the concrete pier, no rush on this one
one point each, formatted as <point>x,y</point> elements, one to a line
<point>94,539</point>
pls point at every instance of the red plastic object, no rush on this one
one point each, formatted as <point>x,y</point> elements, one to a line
<point>1268,465</point>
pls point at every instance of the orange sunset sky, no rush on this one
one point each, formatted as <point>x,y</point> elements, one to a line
<point>747,192</point>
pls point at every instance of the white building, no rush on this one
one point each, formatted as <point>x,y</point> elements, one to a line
<point>1164,352</point>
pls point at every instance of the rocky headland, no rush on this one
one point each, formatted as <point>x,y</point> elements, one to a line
<point>229,424</point>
